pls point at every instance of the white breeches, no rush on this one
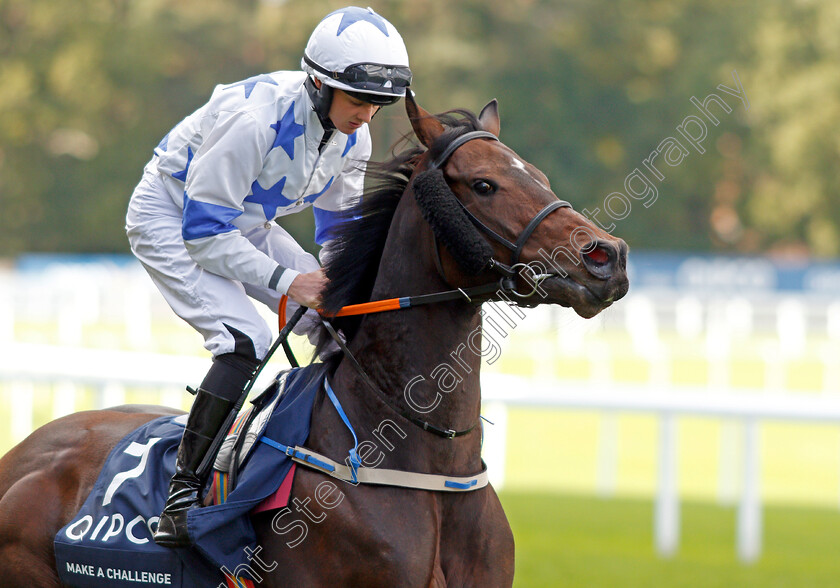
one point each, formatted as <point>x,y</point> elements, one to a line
<point>203,299</point>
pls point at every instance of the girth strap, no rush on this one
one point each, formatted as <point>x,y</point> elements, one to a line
<point>382,476</point>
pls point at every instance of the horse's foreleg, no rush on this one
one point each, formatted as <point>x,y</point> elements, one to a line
<point>477,543</point>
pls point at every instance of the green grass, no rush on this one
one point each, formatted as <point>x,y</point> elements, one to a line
<point>574,541</point>
<point>798,461</point>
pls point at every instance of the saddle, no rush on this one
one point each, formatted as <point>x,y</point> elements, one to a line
<point>109,542</point>
<point>245,432</point>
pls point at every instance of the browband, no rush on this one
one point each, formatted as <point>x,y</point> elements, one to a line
<point>457,142</point>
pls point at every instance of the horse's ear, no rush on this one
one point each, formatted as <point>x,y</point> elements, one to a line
<point>426,127</point>
<point>489,117</point>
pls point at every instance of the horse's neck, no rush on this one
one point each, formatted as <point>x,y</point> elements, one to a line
<point>421,362</point>
<point>422,359</point>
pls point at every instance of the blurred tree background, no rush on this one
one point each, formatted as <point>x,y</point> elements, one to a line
<point>587,88</point>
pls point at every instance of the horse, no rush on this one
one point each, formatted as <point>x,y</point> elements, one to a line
<point>459,213</point>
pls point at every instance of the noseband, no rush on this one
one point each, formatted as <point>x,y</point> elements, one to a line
<point>507,271</point>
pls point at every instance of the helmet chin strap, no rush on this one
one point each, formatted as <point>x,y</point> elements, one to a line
<point>321,101</point>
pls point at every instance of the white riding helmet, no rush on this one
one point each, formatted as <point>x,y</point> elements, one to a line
<point>356,50</point>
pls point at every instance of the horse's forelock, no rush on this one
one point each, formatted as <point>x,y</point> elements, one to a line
<point>457,122</point>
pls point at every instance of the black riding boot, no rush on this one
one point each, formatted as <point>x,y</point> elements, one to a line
<point>206,418</point>
<point>216,399</point>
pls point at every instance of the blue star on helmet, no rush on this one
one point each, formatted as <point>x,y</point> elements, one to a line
<point>354,14</point>
<point>251,83</point>
<point>287,131</point>
<point>270,198</point>
<point>182,175</point>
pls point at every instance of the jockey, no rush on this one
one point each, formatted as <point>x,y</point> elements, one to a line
<point>201,220</point>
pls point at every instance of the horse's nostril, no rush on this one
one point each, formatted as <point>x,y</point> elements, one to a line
<point>598,255</point>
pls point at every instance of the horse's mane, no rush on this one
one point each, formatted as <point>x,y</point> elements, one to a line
<point>352,260</point>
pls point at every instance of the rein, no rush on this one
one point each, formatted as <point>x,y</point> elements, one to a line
<point>405,302</point>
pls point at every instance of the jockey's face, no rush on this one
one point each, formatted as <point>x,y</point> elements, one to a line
<point>348,113</point>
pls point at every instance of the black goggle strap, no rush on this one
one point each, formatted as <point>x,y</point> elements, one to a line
<point>375,99</point>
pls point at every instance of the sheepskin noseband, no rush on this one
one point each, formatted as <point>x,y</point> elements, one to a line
<point>451,226</point>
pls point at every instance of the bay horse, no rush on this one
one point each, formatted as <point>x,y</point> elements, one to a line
<point>444,215</point>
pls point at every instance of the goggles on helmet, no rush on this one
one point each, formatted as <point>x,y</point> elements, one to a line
<point>367,76</point>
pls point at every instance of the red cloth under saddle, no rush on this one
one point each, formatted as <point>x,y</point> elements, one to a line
<point>218,488</point>
<point>280,498</point>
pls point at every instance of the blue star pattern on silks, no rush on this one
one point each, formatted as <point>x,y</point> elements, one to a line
<point>354,14</point>
<point>287,131</point>
<point>182,175</point>
<point>270,198</point>
<point>164,143</point>
<point>314,197</point>
<point>351,140</point>
<point>250,83</point>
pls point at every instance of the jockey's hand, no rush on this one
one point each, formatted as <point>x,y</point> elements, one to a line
<point>306,289</point>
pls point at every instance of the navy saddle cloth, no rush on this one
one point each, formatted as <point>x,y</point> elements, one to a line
<point>109,542</point>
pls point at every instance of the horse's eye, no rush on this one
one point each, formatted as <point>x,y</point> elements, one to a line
<point>483,187</point>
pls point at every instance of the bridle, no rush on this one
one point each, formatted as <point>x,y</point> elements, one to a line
<point>473,295</point>
<point>511,270</point>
